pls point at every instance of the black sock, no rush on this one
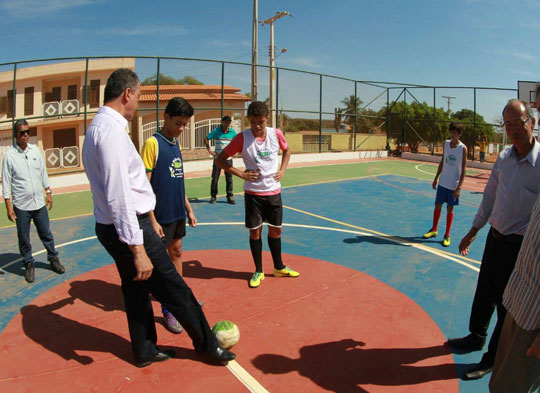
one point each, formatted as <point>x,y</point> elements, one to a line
<point>256,252</point>
<point>275,249</point>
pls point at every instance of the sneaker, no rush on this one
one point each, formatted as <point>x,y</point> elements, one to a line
<point>29,273</point>
<point>230,200</point>
<point>446,241</point>
<point>256,279</point>
<point>429,234</point>
<point>56,266</point>
<point>285,272</point>
<point>172,324</point>
<point>213,200</point>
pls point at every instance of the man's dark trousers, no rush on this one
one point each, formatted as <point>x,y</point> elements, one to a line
<point>43,227</point>
<point>216,171</point>
<point>165,285</point>
<point>498,261</point>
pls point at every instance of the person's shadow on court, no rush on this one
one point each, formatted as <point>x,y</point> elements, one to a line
<point>17,268</point>
<point>340,366</point>
<point>65,336</point>
<point>195,269</point>
<point>373,240</point>
<point>98,293</point>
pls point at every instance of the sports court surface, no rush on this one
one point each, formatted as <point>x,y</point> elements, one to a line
<point>369,313</point>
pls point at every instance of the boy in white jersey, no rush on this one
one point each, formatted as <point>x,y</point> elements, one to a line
<point>260,146</point>
<point>452,173</point>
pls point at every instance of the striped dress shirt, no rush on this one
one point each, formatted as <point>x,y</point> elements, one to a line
<point>522,295</point>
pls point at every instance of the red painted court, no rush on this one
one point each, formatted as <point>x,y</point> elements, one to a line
<point>332,329</point>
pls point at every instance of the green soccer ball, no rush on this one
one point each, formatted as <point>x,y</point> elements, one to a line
<point>227,334</point>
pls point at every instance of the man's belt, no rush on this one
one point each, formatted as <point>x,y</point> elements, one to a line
<point>512,238</point>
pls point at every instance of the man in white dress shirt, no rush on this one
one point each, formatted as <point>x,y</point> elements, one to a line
<point>24,177</point>
<point>123,205</point>
<point>509,196</point>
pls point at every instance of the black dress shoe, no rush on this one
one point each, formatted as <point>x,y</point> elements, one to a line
<point>161,356</point>
<point>29,273</point>
<point>478,371</point>
<point>230,200</point>
<point>468,343</point>
<point>221,354</point>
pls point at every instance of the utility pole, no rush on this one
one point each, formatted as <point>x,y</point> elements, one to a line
<point>270,22</point>
<point>254,45</point>
<point>448,98</point>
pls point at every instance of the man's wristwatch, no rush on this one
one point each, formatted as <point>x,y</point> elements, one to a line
<point>49,191</point>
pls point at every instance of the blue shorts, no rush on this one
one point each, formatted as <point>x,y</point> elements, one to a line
<point>445,195</point>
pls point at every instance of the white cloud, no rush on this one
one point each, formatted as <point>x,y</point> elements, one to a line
<point>524,73</point>
<point>25,8</point>
<point>303,62</point>
<point>160,30</point>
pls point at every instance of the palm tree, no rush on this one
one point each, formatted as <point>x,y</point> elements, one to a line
<point>352,105</point>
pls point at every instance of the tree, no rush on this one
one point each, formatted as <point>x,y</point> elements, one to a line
<point>169,80</point>
<point>338,118</point>
<point>352,107</point>
<point>470,134</point>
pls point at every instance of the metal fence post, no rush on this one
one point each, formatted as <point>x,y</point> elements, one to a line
<point>355,114</point>
<point>157,95</point>
<point>434,120</point>
<point>320,113</point>
<point>222,88</point>
<point>86,96</point>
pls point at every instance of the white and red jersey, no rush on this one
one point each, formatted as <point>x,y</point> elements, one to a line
<point>260,155</point>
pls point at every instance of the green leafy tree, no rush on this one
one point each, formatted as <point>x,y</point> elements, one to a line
<point>338,118</point>
<point>470,133</point>
<point>169,80</point>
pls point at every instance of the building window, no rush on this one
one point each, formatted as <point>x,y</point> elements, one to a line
<point>72,92</point>
<point>54,95</point>
<point>9,109</point>
<point>28,101</point>
<point>94,93</point>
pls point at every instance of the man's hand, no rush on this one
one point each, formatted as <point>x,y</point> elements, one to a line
<point>434,184</point>
<point>158,229</point>
<point>212,153</point>
<point>279,175</point>
<point>466,241</point>
<point>192,220</point>
<point>142,263</point>
<point>250,175</point>
<point>48,200</point>
<point>11,214</point>
<point>534,350</point>
<point>456,193</point>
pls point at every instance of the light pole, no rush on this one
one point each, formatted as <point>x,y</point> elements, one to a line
<point>272,61</point>
<point>254,45</point>
<point>448,98</point>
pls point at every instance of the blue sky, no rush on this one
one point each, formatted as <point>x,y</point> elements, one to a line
<point>446,43</point>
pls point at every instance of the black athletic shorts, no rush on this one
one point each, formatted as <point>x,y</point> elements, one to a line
<point>261,209</point>
<point>174,230</point>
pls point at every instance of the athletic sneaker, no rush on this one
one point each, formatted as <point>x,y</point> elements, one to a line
<point>285,272</point>
<point>430,234</point>
<point>446,241</point>
<point>212,199</point>
<point>256,279</point>
<point>172,324</point>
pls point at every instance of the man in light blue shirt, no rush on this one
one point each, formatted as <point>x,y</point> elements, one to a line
<point>223,135</point>
<point>24,177</point>
<point>509,197</point>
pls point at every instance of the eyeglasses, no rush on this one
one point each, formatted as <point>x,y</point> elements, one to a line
<point>21,133</point>
<point>516,123</point>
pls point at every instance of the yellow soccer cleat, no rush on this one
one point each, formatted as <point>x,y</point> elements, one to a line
<point>285,272</point>
<point>446,241</point>
<point>256,279</point>
<point>429,234</point>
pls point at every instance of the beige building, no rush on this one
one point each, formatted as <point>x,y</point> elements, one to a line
<point>51,98</point>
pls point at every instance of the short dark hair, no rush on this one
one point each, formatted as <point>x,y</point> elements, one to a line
<point>118,82</point>
<point>456,126</point>
<point>17,124</point>
<point>226,118</point>
<point>257,108</point>
<point>178,106</point>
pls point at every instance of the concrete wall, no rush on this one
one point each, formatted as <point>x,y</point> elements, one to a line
<point>340,142</point>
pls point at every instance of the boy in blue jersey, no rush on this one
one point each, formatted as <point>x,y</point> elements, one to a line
<point>162,159</point>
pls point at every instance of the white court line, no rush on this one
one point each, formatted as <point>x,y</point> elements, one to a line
<point>243,376</point>
<point>420,170</point>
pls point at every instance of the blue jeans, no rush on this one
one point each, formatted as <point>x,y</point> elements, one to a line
<point>41,221</point>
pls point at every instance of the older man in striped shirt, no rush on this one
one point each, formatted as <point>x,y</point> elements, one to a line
<point>517,364</point>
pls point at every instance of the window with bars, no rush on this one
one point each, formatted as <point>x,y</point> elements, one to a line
<point>93,97</point>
